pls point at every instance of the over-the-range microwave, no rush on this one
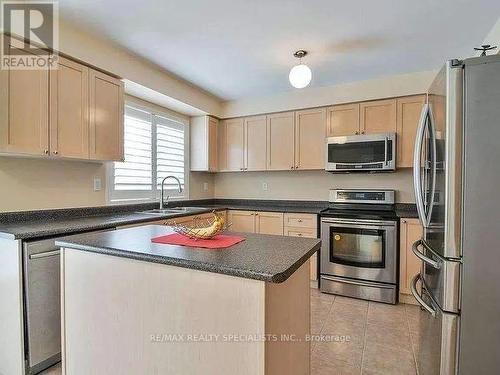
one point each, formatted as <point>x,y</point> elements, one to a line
<point>361,153</point>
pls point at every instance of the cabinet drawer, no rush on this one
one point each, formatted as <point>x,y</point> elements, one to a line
<point>301,232</point>
<point>301,221</point>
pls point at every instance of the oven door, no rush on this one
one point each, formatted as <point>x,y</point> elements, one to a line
<point>361,152</point>
<point>360,249</point>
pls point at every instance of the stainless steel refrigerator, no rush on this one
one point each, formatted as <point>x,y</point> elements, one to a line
<point>457,191</point>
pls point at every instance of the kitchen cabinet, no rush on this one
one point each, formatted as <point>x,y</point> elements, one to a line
<point>204,144</point>
<point>69,110</point>
<point>24,116</point>
<point>310,134</point>
<point>269,223</point>
<point>106,117</point>
<point>410,231</point>
<point>241,221</point>
<point>255,150</point>
<point>378,116</point>
<point>343,120</point>
<point>232,141</point>
<point>281,141</point>
<point>408,116</point>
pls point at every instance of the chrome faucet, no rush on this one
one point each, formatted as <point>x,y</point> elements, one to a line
<point>163,183</point>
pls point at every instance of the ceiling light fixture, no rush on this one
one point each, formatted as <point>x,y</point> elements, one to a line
<point>300,75</point>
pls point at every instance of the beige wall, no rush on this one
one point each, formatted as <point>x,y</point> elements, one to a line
<point>308,185</point>
<point>384,87</point>
<point>27,184</point>
<point>196,181</point>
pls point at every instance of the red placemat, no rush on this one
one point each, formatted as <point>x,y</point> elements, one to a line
<point>218,242</point>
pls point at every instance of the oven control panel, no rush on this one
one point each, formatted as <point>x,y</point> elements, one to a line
<point>362,196</point>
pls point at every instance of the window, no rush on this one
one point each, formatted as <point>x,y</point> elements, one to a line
<point>154,148</point>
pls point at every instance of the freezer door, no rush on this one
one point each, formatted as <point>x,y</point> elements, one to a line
<point>441,276</point>
<point>435,334</point>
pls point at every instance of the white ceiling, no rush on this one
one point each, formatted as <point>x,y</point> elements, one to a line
<point>240,48</point>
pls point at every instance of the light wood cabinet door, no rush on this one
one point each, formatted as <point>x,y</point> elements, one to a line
<point>106,117</point>
<point>24,117</point>
<point>269,223</point>
<point>342,120</point>
<point>310,136</point>
<point>299,220</point>
<point>300,232</point>
<point>234,146</point>
<point>409,110</point>
<point>69,110</point>
<point>212,144</point>
<point>221,147</point>
<point>378,116</point>
<point>281,141</point>
<point>241,221</point>
<point>255,143</point>
<point>410,231</point>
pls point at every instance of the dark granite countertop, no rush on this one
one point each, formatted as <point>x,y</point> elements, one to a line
<point>46,223</point>
<point>260,257</point>
<point>408,210</point>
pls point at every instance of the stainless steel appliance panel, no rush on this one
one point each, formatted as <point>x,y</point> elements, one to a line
<point>369,252</point>
<point>359,289</point>
<point>43,303</point>
<point>480,327</point>
<point>436,346</point>
<point>440,275</point>
<point>361,153</point>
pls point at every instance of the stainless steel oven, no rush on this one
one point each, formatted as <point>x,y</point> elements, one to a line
<point>359,246</point>
<point>361,153</point>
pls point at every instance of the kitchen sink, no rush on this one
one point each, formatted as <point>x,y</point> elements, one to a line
<point>175,210</point>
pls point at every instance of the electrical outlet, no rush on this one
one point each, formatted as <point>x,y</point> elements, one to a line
<point>205,186</point>
<point>97,184</point>
<point>265,186</point>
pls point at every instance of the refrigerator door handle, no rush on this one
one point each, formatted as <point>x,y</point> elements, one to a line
<point>413,288</point>
<point>422,257</point>
<point>417,173</point>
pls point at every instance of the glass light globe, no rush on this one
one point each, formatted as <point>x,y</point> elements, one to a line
<point>300,76</point>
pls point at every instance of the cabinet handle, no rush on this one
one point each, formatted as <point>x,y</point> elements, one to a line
<point>363,132</point>
<point>300,220</point>
<point>46,152</point>
<point>55,152</point>
<point>356,133</point>
<point>299,234</point>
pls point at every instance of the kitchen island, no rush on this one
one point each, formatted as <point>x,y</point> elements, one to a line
<point>130,306</point>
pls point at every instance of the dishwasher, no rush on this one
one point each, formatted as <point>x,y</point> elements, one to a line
<point>42,299</point>
<point>42,304</point>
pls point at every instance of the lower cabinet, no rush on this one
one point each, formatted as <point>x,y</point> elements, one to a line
<point>278,223</point>
<point>410,231</point>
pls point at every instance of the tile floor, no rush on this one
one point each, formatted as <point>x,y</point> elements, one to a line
<point>380,337</point>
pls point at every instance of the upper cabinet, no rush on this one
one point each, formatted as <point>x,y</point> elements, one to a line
<point>231,145</point>
<point>255,152</point>
<point>377,116</point>
<point>70,112</point>
<point>106,117</point>
<point>343,120</point>
<point>310,134</point>
<point>204,144</point>
<point>24,112</point>
<point>281,141</point>
<point>409,110</point>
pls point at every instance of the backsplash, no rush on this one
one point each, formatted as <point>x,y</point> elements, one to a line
<point>308,185</point>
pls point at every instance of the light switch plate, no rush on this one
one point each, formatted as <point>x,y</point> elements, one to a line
<point>97,184</point>
<point>265,187</point>
<point>205,186</point>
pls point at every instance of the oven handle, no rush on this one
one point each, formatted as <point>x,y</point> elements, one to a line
<point>421,256</point>
<point>360,223</point>
<point>413,288</point>
<point>386,151</point>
